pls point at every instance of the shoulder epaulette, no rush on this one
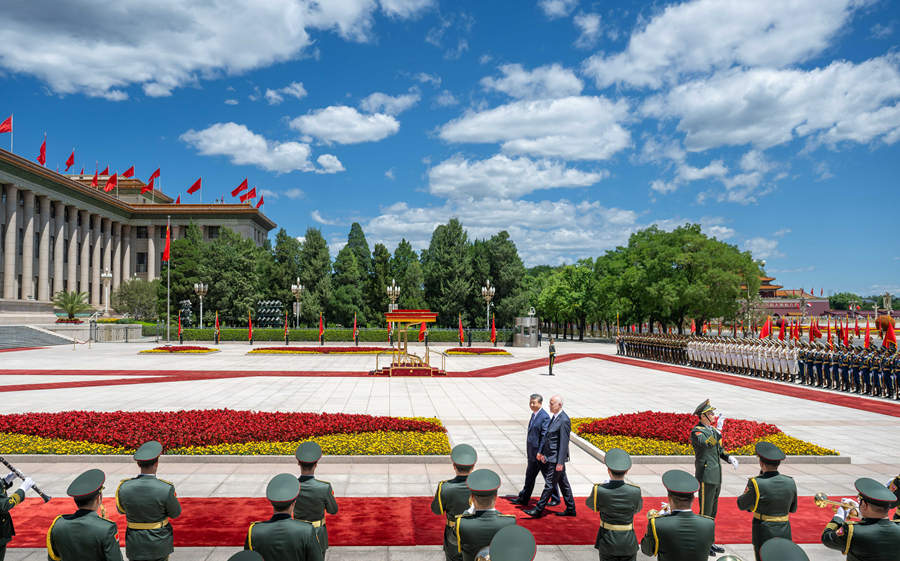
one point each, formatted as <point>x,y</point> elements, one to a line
<point>323,481</point>
<point>633,485</point>
<point>169,482</point>
<point>50,552</point>
<point>705,516</point>
<point>508,515</point>
<point>464,515</point>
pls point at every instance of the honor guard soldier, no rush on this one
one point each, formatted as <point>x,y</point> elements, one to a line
<point>84,535</point>
<point>617,502</point>
<point>780,549</point>
<point>513,543</point>
<point>708,450</point>
<point>874,538</point>
<point>7,503</point>
<point>147,503</point>
<point>675,533</point>
<point>552,349</point>
<point>281,538</point>
<point>316,496</point>
<point>894,487</point>
<point>476,528</point>
<point>452,497</point>
<point>770,496</point>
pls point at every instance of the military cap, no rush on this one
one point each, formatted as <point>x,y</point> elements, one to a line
<point>618,460</point>
<point>246,556</point>
<point>780,549</point>
<point>703,408</point>
<point>88,484</point>
<point>463,455</point>
<point>874,492</point>
<point>513,543</point>
<point>678,482</point>
<point>283,489</point>
<point>308,453</point>
<point>483,482</point>
<point>769,452</point>
<point>148,452</point>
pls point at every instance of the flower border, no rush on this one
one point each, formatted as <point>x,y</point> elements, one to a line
<point>476,351</point>
<point>181,350</point>
<point>286,350</point>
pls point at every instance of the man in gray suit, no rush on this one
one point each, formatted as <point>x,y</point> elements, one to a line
<point>555,453</point>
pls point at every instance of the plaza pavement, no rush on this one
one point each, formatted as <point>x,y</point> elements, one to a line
<point>488,413</point>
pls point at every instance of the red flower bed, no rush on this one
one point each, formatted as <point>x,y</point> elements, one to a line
<point>181,349</point>
<point>67,320</point>
<point>476,351</point>
<point>199,427</point>
<point>676,427</point>
<point>324,350</point>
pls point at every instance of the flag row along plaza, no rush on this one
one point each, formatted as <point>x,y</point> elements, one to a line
<point>67,411</point>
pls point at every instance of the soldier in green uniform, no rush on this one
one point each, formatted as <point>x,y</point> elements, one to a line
<point>552,349</point>
<point>780,549</point>
<point>281,538</point>
<point>874,538</point>
<point>84,536</point>
<point>676,533</point>
<point>452,497</point>
<point>8,503</point>
<point>894,487</point>
<point>512,543</point>
<point>770,496</point>
<point>147,503</point>
<point>708,450</point>
<point>617,502</point>
<point>316,496</point>
<point>476,527</point>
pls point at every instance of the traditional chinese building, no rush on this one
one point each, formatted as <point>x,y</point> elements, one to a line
<point>780,303</point>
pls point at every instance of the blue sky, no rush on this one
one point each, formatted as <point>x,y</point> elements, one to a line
<point>570,124</point>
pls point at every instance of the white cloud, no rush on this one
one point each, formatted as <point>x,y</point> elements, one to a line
<point>485,58</point>
<point>426,78</point>
<point>317,217</point>
<point>380,102</point>
<point>296,89</point>
<point>589,24</point>
<point>444,99</point>
<point>573,128</point>
<point>763,248</point>
<point>329,164</point>
<point>781,232</point>
<point>555,9</point>
<point>295,195</point>
<point>345,125</point>
<point>100,49</point>
<point>462,46</point>
<point>502,178</point>
<point>720,232</point>
<point>268,193</point>
<point>705,35</point>
<point>406,9</point>
<point>797,270</point>
<point>243,147</point>
<point>546,82</point>
<point>390,174</point>
<point>663,186</point>
<point>231,102</point>
<point>688,173</point>
<point>823,170</point>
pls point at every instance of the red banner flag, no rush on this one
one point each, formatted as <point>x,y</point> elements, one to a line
<point>422,330</point>
<point>821,291</point>
<point>868,336</point>
<point>195,187</point>
<point>251,194</point>
<point>179,325</point>
<point>890,337</point>
<point>828,336</point>
<point>111,183</point>
<point>493,330</point>
<point>6,126</point>
<point>240,188</point>
<point>148,187</point>
<point>42,157</point>
<point>155,174</point>
<point>71,161</point>
<point>94,182</point>
<point>856,329</point>
<point>285,325</point>
<point>460,331</point>
<point>178,200</point>
<point>782,329</point>
<point>82,170</point>
<point>105,171</point>
<point>847,333</point>
<point>766,329</point>
<point>354,327</point>
<point>217,322</point>
<point>321,326</point>
<point>165,255</point>
<point>128,172</point>
<point>260,203</point>
<point>249,326</point>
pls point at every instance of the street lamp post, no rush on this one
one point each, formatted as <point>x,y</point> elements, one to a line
<point>297,290</point>
<point>107,278</point>
<point>201,289</point>
<point>487,292</point>
<point>393,293</point>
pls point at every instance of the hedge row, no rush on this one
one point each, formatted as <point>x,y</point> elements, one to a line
<point>331,335</point>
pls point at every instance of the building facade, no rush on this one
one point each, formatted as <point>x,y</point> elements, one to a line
<point>59,233</point>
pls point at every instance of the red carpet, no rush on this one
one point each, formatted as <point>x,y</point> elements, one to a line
<point>390,521</point>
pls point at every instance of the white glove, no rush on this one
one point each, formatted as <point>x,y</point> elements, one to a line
<point>28,484</point>
<point>12,475</point>
<point>664,509</point>
<point>851,502</point>
<point>720,423</point>
<point>605,481</point>
<point>842,513</point>
<point>734,461</point>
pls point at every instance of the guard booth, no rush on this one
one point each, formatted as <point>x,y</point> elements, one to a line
<point>526,332</point>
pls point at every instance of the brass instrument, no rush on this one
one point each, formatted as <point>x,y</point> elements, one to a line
<point>664,511</point>
<point>21,475</point>
<point>103,513</point>
<point>484,555</point>
<point>822,501</point>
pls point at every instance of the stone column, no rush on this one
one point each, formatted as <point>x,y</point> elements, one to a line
<point>176,229</point>
<point>97,241</point>
<point>43,290</point>
<point>60,247</point>
<point>117,255</point>
<point>126,252</point>
<point>28,247</point>
<point>107,256</point>
<point>12,237</point>
<point>84,260</point>
<point>151,252</point>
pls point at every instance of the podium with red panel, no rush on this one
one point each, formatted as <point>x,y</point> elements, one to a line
<point>402,362</point>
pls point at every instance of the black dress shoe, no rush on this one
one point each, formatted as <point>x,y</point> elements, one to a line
<point>518,502</point>
<point>553,503</point>
<point>717,549</point>
<point>534,513</point>
<point>567,512</point>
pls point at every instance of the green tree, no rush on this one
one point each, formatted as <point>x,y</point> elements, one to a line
<point>315,276</point>
<point>72,302</point>
<point>356,241</point>
<point>448,272</point>
<point>229,267</point>
<point>507,276</point>
<point>184,262</point>
<point>841,300</point>
<point>136,297</point>
<point>379,280</point>
<point>405,267</point>
<point>283,269</point>
<point>347,294</point>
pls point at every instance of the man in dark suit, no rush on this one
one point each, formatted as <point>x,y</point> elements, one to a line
<point>537,428</point>
<point>555,453</point>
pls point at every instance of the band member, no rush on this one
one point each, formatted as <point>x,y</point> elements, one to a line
<point>452,497</point>
<point>675,533</point>
<point>281,537</point>
<point>770,496</point>
<point>84,535</point>
<point>617,502</point>
<point>476,528</point>
<point>874,538</point>
<point>780,549</point>
<point>316,496</point>
<point>512,543</point>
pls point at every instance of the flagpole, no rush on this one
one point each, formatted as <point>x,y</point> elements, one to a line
<point>168,283</point>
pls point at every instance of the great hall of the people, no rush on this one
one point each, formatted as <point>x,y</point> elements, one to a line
<point>60,233</point>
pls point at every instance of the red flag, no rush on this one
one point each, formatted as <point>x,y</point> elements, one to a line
<point>828,336</point>
<point>890,337</point>
<point>285,325</point>
<point>693,327</point>
<point>782,329</point>
<point>82,169</point>
<point>71,161</point>
<point>94,181</point>
<point>868,338</point>
<point>856,329</point>
<point>422,332</point>
<point>105,171</point>
<point>321,326</point>
<point>165,255</point>
<point>240,188</point>
<point>128,172</point>
<point>148,187</point>
<point>217,322</point>
<point>6,126</point>
<point>493,330</point>
<point>251,194</point>
<point>821,291</point>
<point>195,187</point>
<point>815,331</point>
<point>42,157</point>
<point>155,174</point>
<point>111,183</point>
<point>354,327</point>
<point>847,333</point>
<point>179,325</point>
<point>461,331</point>
<point>260,203</point>
<point>766,329</point>
<point>178,200</point>
<point>249,326</point>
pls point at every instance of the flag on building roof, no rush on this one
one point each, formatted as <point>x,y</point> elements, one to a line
<point>128,172</point>
<point>154,176</point>
<point>42,157</point>
<point>111,183</point>
<point>251,194</point>
<point>195,187</point>
<point>178,200</point>
<point>71,161</point>
<point>148,187</point>
<point>105,171</point>
<point>96,174</point>
<point>240,188</point>
<point>261,200</point>
<point>6,126</point>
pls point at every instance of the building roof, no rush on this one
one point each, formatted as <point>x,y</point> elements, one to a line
<point>796,294</point>
<point>126,185</point>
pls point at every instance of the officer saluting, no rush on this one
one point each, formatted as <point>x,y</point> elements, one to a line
<point>708,450</point>
<point>874,538</point>
<point>475,529</point>
<point>617,502</point>
<point>281,538</point>
<point>84,536</point>
<point>452,497</point>
<point>770,497</point>
<point>316,496</point>
<point>147,503</point>
<point>513,543</point>
<point>677,534</point>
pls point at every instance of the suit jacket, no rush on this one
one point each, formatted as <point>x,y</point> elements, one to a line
<point>536,431</point>
<point>556,440</point>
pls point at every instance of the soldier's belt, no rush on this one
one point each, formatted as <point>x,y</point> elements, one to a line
<point>617,527</point>
<point>451,523</point>
<point>315,523</point>
<point>147,525</point>
<point>767,518</point>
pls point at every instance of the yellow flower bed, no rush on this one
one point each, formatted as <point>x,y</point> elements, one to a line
<point>23,444</point>
<point>386,443</point>
<point>789,445</point>
<point>498,352</point>
<point>289,352</point>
